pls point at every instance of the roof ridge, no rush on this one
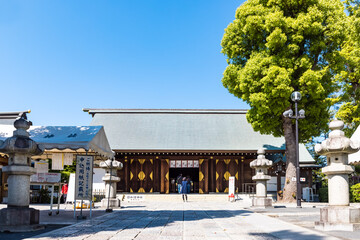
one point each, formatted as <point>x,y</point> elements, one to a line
<point>159,110</point>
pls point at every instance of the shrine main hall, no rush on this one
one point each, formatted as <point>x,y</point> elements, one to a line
<point>209,146</point>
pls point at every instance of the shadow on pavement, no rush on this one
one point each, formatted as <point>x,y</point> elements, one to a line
<point>290,235</point>
<point>19,236</point>
<point>139,219</point>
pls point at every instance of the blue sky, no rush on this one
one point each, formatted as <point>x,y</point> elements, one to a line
<point>58,57</point>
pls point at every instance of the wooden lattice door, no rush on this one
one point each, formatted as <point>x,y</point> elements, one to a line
<point>147,184</point>
<point>135,169</point>
<point>224,169</point>
<point>141,175</point>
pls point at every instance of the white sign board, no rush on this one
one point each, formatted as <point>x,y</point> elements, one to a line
<point>135,198</point>
<point>293,179</point>
<point>42,167</point>
<point>71,188</point>
<point>84,175</point>
<point>45,178</point>
<point>302,179</point>
<point>231,186</point>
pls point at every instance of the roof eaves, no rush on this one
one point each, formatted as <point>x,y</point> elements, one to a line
<point>12,115</point>
<point>93,111</point>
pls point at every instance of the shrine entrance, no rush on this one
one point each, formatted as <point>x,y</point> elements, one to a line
<point>193,173</point>
<point>147,173</point>
<point>188,168</point>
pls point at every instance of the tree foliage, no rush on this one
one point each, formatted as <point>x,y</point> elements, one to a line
<point>274,47</point>
<point>277,46</point>
<point>349,78</point>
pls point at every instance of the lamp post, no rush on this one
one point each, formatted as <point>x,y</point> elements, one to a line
<point>296,97</point>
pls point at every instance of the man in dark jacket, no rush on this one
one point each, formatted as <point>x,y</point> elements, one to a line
<point>178,183</point>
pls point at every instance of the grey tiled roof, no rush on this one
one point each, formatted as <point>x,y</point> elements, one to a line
<point>184,130</point>
<point>8,118</point>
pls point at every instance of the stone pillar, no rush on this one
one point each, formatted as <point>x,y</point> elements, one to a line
<point>18,217</point>
<point>261,165</point>
<point>338,215</point>
<point>111,180</point>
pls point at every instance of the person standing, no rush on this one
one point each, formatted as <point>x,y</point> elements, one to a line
<point>178,183</point>
<point>184,189</point>
<point>188,186</point>
<point>64,191</point>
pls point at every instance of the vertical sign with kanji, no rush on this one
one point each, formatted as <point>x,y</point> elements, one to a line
<point>84,175</point>
<point>232,188</point>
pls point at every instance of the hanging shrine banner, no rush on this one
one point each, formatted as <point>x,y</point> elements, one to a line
<point>184,163</point>
<point>172,164</point>
<point>83,179</point>
<point>68,158</point>
<point>196,163</point>
<point>57,161</point>
<point>178,163</point>
<point>190,163</point>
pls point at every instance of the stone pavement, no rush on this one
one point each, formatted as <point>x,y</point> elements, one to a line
<point>189,220</point>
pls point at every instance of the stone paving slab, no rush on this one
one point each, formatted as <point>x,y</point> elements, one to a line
<point>189,220</point>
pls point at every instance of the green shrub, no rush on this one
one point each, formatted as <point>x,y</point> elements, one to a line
<point>355,193</point>
<point>44,195</point>
<point>323,195</point>
<point>357,169</point>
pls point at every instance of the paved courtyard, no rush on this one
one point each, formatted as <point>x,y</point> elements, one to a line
<point>189,220</point>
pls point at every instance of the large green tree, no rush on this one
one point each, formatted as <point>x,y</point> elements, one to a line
<point>349,78</point>
<point>275,47</point>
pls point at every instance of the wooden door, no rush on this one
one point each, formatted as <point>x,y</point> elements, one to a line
<point>212,175</point>
<point>233,168</point>
<point>203,175</point>
<point>164,179</point>
<point>141,175</point>
<point>157,174</point>
<point>148,182</point>
<point>135,168</point>
<point>224,169</point>
<point>123,184</point>
<point>220,175</point>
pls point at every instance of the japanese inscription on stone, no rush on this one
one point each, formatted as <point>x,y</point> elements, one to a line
<point>83,183</point>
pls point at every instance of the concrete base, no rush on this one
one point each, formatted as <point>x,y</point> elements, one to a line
<point>261,202</point>
<point>339,219</point>
<point>113,203</point>
<point>16,219</point>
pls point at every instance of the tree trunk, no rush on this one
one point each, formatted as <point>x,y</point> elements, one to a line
<point>289,191</point>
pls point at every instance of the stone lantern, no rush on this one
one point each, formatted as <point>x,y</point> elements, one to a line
<point>261,165</point>
<point>338,215</point>
<point>110,180</point>
<point>18,217</point>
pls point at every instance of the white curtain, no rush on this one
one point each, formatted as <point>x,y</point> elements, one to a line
<point>68,158</point>
<point>57,161</point>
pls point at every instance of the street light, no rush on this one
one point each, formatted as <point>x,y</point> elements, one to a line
<point>296,97</point>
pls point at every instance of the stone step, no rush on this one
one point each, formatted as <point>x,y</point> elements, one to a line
<point>156,197</point>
